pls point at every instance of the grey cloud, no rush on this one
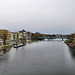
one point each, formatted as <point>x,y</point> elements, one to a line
<point>46,16</point>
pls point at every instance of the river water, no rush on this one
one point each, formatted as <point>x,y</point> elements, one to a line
<point>52,57</point>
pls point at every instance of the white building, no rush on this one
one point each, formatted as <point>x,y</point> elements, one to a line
<point>28,35</point>
<point>11,35</point>
<point>22,33</point>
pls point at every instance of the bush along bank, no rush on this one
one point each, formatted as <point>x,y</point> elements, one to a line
<point>71,41</point>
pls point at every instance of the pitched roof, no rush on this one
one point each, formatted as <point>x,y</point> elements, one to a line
<point>22,31</point>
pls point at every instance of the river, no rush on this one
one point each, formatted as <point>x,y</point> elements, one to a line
<point>52,57</point>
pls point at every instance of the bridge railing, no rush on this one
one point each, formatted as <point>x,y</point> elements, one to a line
<point>52,37</point>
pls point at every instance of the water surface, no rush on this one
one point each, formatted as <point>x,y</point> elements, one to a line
<point>52,57</point>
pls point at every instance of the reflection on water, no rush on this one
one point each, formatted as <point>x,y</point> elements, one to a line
<point>72,52</point>
<point>49,57</point>
<point>4,51</point>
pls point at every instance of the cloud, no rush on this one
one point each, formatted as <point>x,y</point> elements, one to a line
<point>46,16</point>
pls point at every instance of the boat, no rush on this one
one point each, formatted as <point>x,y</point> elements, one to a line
<point>19,45</point>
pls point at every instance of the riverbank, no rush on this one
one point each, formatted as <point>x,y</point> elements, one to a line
<point>71,45</point>
<point>6,46</point>
<point>28,41</point>
<point>11,45</point>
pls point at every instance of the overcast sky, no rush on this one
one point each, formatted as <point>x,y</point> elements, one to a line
<point>45,16</point>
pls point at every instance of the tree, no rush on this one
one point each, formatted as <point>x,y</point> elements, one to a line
<point>71,38</point>
<point>4,35</point>
<point>23,38</point>
<point>16,36</point>
<point>54,35</point>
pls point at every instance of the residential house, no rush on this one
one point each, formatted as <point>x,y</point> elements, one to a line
<point>22,33</point>
<point>11,35</point>
<point>28,35</point>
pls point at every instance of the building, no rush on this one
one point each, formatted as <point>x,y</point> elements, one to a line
<point>28,35</point>
<point>22,33</point>
<point>11,35</point>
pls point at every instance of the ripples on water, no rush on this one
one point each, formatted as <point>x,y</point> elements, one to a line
<point>51,57</point>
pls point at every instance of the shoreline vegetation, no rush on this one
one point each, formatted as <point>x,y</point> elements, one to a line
<point>9,39</point>
<point>71,41</point>
<point>6,46</point>
<point>10,45</point>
